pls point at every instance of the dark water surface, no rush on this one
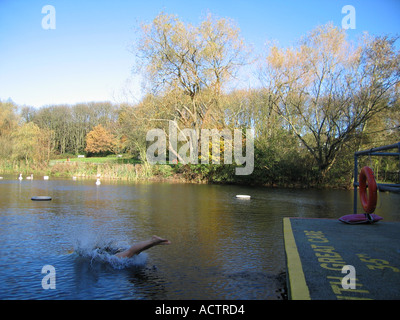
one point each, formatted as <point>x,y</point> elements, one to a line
<point>222,247</point>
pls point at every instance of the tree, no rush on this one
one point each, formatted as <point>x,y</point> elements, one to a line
<point>8,117</point>
<point>31,144</point>
<point>59,120</point>
<point>71,124</point>
<point>100,141</point>
<point>28,113</point>
<point>326,91</point>
<point>187,68</point>
<point>8,123</point>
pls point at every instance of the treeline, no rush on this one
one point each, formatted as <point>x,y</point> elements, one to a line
<point>70,125</point>
<point>314,106</point>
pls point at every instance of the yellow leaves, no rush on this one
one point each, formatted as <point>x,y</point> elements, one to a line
<point>100,140</point>
<point>188,65</point>
<point>315,64</point>
<point>325,39</point>
<point>31,143</point>
<point>190,57</point>
<point>276,57</point>
<point>8,119</point>
<point>326,88</point>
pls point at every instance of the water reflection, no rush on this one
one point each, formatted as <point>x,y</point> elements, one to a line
<point>222,247</point>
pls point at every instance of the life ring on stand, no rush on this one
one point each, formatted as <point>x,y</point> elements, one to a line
<point>368,201</point>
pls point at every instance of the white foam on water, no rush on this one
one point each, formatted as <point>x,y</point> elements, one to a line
<point>98,249</point>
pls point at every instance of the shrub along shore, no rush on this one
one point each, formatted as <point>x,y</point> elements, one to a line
<point>130,169</point>
<point>106,167</point>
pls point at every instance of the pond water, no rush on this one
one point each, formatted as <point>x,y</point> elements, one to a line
<point>222,247</point>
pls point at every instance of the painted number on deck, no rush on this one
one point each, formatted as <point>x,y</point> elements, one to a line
<point>376,264</point>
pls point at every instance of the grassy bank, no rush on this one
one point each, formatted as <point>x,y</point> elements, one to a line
<point>107,167</point>
<point>97,160</point>
<point>131,169</point>
<point>115,168</point>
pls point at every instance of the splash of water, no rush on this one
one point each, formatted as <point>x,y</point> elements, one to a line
<point>98,249</point>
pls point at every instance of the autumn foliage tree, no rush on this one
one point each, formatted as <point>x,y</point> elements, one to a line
<point>8,124</point>
<point>327,91</point>
<point>100,141</point>
<point>32,144</point>
<point>187,68</point>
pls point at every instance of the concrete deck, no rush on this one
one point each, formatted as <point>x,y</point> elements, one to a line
<point>318,249</point>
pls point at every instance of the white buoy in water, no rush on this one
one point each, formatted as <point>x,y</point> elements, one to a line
<point>242,196</point>
<point>98,182</point>
<point>41,198</point>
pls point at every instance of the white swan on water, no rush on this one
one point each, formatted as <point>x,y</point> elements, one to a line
<point>98,182</point>
<point>20,176</point>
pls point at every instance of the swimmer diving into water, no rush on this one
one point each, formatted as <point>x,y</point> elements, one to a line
<point>141,246</point>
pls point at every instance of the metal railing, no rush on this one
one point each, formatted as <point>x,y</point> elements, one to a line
<point>375,152</point>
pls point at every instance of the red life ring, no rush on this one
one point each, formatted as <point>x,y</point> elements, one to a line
<point>368,202</point>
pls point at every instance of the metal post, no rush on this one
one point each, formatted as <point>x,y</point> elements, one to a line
<point>398,147</point>
<point>355,183</point>
<point>375,152</point>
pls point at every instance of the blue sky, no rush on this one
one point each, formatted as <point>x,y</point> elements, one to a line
<point>87,58</point>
